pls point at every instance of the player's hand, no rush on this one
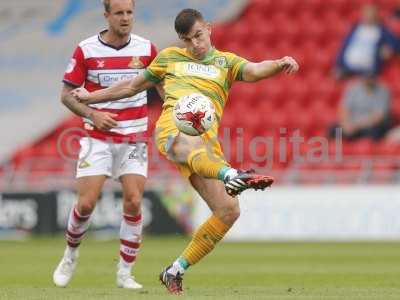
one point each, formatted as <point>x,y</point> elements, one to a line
<point>80,94</point>
<point>103,120</point>
<point>288,65</point>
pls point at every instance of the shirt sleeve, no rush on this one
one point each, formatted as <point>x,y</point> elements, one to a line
<point>156,71</point>
<point>153,53</point>
<point>236,66</point>
<point>76,71</point>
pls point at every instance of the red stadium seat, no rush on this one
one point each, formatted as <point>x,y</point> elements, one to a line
<point>299,90</point>
<point>315,6</point>
<point>387,149</point>
<point>362,147</point>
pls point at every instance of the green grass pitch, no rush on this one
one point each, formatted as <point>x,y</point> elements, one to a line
<point>234,271</point>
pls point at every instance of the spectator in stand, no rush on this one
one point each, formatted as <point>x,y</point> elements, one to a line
<point>364,111</point>
<point>396,11</point>
<point>367,46</point>
<point>394,20</point>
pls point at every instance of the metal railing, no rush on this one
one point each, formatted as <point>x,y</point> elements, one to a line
<point>43,173</point>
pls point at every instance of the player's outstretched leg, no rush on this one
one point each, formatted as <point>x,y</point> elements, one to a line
<point>236,181</point>
<point>76,229</point>
<point>205,158</point>
<point>243,180</point>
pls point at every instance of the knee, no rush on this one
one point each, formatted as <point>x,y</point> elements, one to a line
<point>85,206</point>
<point>229,214</point>
<point>234,214</point>
<point>184,146</point>
<point>132,202</point>
<point>181,153</point>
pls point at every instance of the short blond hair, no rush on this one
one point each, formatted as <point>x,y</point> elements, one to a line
<point>107,4</point>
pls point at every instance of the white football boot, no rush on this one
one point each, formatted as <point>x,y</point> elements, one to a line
<point>126,281</point>
<point>65,269</point>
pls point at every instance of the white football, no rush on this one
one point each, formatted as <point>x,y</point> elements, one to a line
<point>194,114</point>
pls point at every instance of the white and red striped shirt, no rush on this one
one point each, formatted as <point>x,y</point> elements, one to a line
<point>97,65</point>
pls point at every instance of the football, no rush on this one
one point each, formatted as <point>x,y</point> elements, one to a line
<point>194,114</point>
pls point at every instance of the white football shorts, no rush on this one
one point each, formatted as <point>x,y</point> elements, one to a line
<point>97,157</point>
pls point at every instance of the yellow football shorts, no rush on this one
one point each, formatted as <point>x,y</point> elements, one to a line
<point>166,132</point>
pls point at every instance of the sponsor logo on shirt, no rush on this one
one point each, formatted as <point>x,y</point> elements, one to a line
<point>220,62</point>
<point>208,71</point>
<point>107,79</point>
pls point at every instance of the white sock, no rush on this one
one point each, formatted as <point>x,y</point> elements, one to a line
<point>230,174</point>
<point>176,267</point>
<point>130,239</point>
<point>71,252</point>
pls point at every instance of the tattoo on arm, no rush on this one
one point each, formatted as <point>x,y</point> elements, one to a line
<point>73,105</point>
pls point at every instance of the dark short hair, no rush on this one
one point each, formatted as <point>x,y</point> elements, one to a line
<point>185,20</point>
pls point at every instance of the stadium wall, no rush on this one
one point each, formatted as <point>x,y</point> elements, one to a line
<point>290,213</point>
<point>25,213</point>
<point>337,213</point>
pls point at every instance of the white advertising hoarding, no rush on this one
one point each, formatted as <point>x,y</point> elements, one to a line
<point>315,213</point>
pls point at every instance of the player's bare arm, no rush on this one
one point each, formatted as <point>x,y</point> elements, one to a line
<point>268,68</point>
<point>160,89</point>
<point>119,90</point>
<point>72,104</point>
<point>102,120</point>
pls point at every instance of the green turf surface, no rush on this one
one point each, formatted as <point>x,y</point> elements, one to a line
<point>234,271</point>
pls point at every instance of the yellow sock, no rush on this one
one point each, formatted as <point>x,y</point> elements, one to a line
<point>204,239</point>
<point>204,165</point>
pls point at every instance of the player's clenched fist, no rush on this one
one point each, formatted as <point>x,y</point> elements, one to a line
<point>80,94</point>
<point>288,65</point>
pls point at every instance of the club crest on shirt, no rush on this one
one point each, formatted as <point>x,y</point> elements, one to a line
<point>220,62</point>
<point>136,63</point>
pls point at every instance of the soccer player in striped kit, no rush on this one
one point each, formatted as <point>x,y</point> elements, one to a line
<point>198,68</point>
<point>116,131</point>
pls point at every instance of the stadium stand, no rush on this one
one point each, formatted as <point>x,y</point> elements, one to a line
<point>311,31</point>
